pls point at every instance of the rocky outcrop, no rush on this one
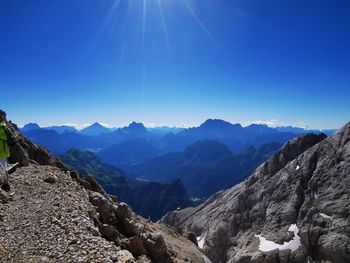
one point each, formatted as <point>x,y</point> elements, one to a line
<point>294,208</point>
<point>57,215</point>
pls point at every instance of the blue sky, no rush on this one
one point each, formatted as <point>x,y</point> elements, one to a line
<point>175,62</point>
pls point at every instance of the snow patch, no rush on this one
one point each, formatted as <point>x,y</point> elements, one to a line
<point>297,168</point>
<point>325,216</point>
<point>267,245</point>
<point>200,241</point>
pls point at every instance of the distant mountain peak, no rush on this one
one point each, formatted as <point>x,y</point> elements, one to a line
<point>135,124</point>
<point>260,128</point>
<point>30,126</point>
<point>96,124</point>
<point>258,125</point>
<point>136,127</point>
<point>218,124</point>
<point>95,129</point>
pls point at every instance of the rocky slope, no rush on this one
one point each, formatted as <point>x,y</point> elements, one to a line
<point>57,215</point>
<point>294,208</point>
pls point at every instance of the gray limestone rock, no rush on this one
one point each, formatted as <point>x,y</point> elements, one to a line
<point>307,183</point>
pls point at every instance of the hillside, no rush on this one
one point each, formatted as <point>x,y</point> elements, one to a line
<point>88,163</point>
<point>205,167</point>
<point>57,215</point>
<point>293,208</point>
<point>131,152</point>
<point>149,199</point>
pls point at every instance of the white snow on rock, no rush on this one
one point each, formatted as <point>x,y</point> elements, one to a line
<point>325,216</point>
<point>267,245</point>
<point>297,168</point>
<point>200,241</point>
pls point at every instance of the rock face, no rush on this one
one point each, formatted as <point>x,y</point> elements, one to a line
<point>58,215</point>
<point>294,208</point>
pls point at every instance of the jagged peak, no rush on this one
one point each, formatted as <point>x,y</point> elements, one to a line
<point>342,135</point>
<point>135,127</point>
<point>135,124</point>
<point>289,151</point>
<point>30,126</point>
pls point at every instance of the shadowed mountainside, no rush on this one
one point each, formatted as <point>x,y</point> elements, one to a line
<point>149,199</point>
<point>205,167</point>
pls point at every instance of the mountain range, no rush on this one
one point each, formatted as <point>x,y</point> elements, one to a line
<point>208,158</point>
<point>59,139</point>
<point>59,129</point>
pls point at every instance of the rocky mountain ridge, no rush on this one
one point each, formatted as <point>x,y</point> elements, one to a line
<point>294,208</point>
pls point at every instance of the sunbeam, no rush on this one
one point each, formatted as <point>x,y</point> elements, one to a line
<point>144,14</point>
<point>143,85</point>
<point>112,12</point>
<point>200,23</point>
<point>121,56</point>
<point>110,18</point>
<point>165,30</point>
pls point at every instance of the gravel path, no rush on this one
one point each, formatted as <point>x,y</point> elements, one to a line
<point>48,221</point>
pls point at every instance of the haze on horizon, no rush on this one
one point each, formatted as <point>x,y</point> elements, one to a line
<point>175,62</point>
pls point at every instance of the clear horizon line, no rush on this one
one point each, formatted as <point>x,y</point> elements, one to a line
<point>81,126</point>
